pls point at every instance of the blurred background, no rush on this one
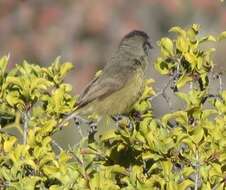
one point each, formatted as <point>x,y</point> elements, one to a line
<point>86,32</point>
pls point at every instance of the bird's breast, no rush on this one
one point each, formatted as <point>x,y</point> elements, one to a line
<point>122,100</point>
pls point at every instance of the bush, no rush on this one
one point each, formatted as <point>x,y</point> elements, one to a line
<point>184,149</point>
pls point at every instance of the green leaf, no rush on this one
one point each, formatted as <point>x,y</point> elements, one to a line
<point>178,30</point>
<point>118,169</point>
<point>222,158</point>
<point>103,180</point>
<point>197,135</point>
<point>223,95</point>
<point>215,170</point>
<point>179,116</point>
<point>150,156</point>
<point>186,184</point>
<point>65,68</point>
<point>64,157</point>
<point>192,59</point>
<point>166,46</point>
<point>8,144</point>
<point>161,66</point>
<point>54,187</point>
<point>109,134</point>
<point>196,28</point>
<point>222,36</point>
<point>142,106</point>
<point>221,107</point>
<point>27,183</point>
<point>167,167</point>
<point>50,170</point>
<point>13,80</point>
<point>182,44</point>
<point>3,64</point>
<point>188,171</point>
<point>144,125</point>
<point>13,99</point>
<point>207,38</point>
<point>183,80</point>
<point>208,112</point>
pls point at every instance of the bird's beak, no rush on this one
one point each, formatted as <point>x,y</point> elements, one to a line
<point>149,44</point>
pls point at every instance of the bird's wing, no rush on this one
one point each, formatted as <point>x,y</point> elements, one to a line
<point>99,88</point>
<point>105,84</point>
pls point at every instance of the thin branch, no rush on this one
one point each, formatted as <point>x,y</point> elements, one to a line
<point>57,145</point>
<point>191,85</point>
<point>5,185</point>
<point>162,91</point>
<point>80,162</point>
<point>173,78</point>
<point>73,115</point>
<point>80,131</point>
<point>220,82</point>
<point>76,157</point>
<point>216,75</point>
<point>215,187</point>
<point>25,120</point>
<point>66,119</point>
<point>167,99</point>
<point>197,166</point>
<point>77,121</point>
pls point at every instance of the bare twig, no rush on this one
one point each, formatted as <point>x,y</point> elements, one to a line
<point>167,99</point>
<point>197,166</point>
<point>220,82</point>
<point>80,162</point>
<point>215,187</point>
<point>218,75</point>
<point>25,120</point>
<point>191,85</point>
<point>5,186</point>
<point>77,121</point>
<point>173,78</point>
<point>57,145</point>
<point>80,131</point>
<point>75,157</point>
<point>72,115</point>
<point>66,119</point>
<point>162,92</point>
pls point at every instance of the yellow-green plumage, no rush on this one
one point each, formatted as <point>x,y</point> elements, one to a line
<point>120,101</point>
<point>121,82</point>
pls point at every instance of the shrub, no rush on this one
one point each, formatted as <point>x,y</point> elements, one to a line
<point>183,149</point>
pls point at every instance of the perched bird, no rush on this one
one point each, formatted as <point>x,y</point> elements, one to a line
<point>121,82</point>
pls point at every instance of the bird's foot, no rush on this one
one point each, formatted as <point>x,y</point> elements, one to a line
<point>92,131</point>
<point>117,117</point>
<point>123,121</point>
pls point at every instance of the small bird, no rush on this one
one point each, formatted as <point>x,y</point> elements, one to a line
<point>121,82</point>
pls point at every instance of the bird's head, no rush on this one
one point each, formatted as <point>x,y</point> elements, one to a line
<point>137,40</point>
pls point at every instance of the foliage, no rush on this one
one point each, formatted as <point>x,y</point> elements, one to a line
<point>184,149</point>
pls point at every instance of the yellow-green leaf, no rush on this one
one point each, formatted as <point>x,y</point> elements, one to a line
<point>183,80</point>
<point>222,36</point>
<point>182,44</point>
<point>166,45</point>
<point>161,66</point>
<point>178,30</point>
<point>8,144</point>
